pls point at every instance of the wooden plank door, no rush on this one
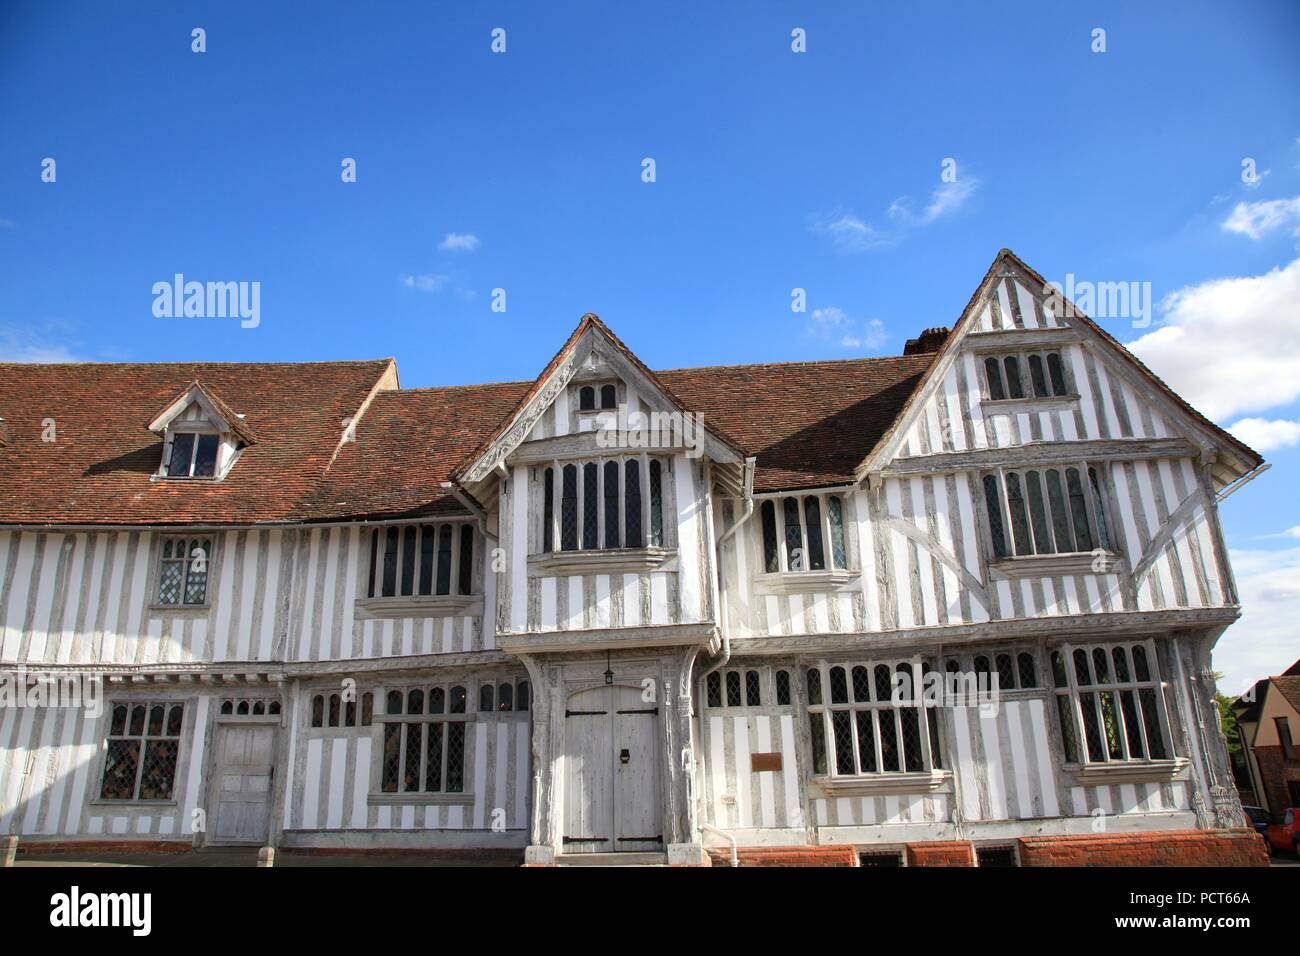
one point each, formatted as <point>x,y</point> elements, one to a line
<point>638,821</point>
<point>244,768</point>
<point>588,772</point>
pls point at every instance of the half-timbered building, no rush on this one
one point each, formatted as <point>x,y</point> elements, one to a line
<point>954,604</point>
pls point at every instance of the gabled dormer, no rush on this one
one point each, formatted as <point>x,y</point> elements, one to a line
<point>202,436</point>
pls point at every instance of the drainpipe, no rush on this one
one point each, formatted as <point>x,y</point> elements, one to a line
<point>748,491</point>
<point>729,837</point>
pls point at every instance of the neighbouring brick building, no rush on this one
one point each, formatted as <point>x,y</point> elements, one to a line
<point>1268,720</point>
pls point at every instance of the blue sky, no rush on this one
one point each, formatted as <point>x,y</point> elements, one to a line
<point>774,170</point>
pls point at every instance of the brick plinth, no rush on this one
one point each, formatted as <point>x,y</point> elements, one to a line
<point>786,856</point>
<point>1235,847</point>
<point>941,853</point>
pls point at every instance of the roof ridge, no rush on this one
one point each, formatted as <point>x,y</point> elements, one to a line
<point>375,361</point>
<point>923,356</point>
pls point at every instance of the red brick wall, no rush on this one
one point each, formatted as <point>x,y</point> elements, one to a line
<point>941,853</point>
<point>1236,847</point>
<point>1275,770</point>
<point>30,845</point>
<point>786,856</point>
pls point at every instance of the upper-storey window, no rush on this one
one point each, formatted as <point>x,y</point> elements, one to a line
<point>1025,374</point>
<point>614,503</point>
<point>193,455</point>
<point>422,560</point>
<point>588,395</point>
<point>1111,703</point>
<point>183,571</point>
<point>803,533</point>
<point>1046,511</point>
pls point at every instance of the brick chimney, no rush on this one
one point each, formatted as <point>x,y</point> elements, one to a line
<point>931,340</point>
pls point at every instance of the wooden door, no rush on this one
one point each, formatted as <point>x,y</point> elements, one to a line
<point>611,800</point>
<point>638,822</point>
<point>244,769</point>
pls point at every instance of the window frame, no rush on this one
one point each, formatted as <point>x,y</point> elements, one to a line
<point>198,433</point>
<point>1023,370</point>
<point>143,738</point>
<point>1097,507</point>
<point>929,731</point>
<point>377,567</point>
<point>1072,693</point>
<point>187,568</point>
<point>780,530</point>
<point>653,510</point>
<point>445,719</point>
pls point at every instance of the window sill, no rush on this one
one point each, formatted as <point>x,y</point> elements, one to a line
<point>795,582</point>
<point>1015,406</point>
<point>627,560</point>
<point>884,783</point>
<point>441,605</point>
<point>143,804</point>
<point>174,608</point>
<point>421,799</point>
<point>1129,771</point>
<point>1037,565</point>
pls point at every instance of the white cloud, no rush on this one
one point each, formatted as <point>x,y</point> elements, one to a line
<point>1230,345</point>
<point>17,345</point>
<point>1263,434</point>
<point>945,200</point>
<point>1293,532</point>
<point>459,242</point>
<point>1263,641</point>
<point>425,283</point>
<point>850,233</point>
<point>1255,219</point>
<point>832,321</point>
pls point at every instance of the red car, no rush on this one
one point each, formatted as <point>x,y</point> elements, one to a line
<point>1285,836</point>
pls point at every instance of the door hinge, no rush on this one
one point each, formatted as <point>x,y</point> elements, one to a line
<point>652,710</point>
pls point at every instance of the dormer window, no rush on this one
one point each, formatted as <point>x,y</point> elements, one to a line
<point>202,436</point>
<point>193,455</point>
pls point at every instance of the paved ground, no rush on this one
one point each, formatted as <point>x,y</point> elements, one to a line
<point>237,857</point>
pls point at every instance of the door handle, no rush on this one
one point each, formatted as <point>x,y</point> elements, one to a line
<point>624,756</point>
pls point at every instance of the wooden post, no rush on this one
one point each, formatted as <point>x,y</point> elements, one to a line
<point>266,856</point>
<point>8,851</point>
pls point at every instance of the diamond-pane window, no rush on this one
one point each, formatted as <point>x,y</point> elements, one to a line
<point>141,756</point>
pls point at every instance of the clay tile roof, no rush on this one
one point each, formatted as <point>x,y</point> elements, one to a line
<point>99,468</point>
<point>406,445</point>
<point>1289,687</point>
<point>808,423</point>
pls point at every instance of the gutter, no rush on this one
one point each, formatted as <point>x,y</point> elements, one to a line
<point>1243,480</point>
<point>725,630</point>
<point>472,506</point>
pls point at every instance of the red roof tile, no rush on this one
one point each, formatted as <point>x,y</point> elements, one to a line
<point>99,468</point>
<point>808,423</point>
